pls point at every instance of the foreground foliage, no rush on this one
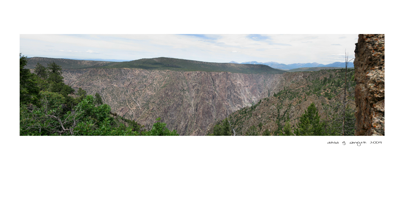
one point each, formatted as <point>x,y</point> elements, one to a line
<point>50,107</point>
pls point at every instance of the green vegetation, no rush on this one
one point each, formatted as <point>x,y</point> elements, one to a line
<point>310,124</point>
<point>49,107</point>
<point>41,71</point>
<point>252,131</point>
<point>287,129</point>
<point>159,129</point>
<point>325,88</point>
<point>64,63</point>
<point>161,63</point>
<point>266,133</point>
<point>28,89</point>
<point>98,100</point>
<point>222,130</point>
<point>189,65</point>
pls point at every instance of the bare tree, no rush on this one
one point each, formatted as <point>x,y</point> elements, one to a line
<point>346,58</point>
<point>234,133</point>
<point>344,93</point>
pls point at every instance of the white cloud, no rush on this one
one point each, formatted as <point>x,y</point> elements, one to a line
<point>286,48</point>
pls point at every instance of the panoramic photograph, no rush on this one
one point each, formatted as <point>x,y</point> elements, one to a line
<point>202,84</point>
<point>209,103</point>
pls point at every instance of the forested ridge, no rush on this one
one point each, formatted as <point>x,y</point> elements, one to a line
<point>50,107</point>
<point>312,106</point>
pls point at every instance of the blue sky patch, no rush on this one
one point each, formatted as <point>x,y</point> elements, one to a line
<point>201,36</point>
<point>258,37</point>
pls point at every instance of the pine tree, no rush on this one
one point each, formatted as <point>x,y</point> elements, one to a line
<point>41,71</point>
<point>310,124</point>
<point>56,80</point>
<point>29,90</point>
<point>97,99</point>
<point>222,130</point>
<point>287,130</point>
<point>266,133</point>
<point>226,128</point>
<point>81,93</point>
<point>55,73</point>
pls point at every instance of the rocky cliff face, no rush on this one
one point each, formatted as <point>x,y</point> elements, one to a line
<point>187,101</point>
<point>370,90</point>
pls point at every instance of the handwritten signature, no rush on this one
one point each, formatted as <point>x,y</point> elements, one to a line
<point>358,143</point>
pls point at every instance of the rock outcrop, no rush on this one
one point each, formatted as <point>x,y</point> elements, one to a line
<point>370,90</point>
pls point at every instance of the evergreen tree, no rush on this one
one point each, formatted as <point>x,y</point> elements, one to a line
<point>81,94</point>
<point>287,130</point>
<point>266,133</point>
<point>55,73</point>
<point>227,128</point>
<point>223,130</point>
<point>310,124</point>
<point>28,88</point>
<point>160,129</point>
<point>260,125</point>
<point>97,99</point>
<point>278,133</point>
<point>66,89</point>
<point>41,71</point>
<point>56,80</point>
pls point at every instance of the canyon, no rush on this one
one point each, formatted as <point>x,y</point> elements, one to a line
<point>191,96</point>
<point>187,95</point>
<point>186,101</point>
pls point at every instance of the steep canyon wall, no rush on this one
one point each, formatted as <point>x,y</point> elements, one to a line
<point>187,101</point>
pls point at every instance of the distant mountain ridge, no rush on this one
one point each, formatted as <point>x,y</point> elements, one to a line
<point>64,63</point>
<point>277,65</point>
<point>311,69</point>
<point>160,63</point>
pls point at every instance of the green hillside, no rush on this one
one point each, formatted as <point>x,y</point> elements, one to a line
<point>173,64</point>
<point>64,63</point>
<point>161,63</point>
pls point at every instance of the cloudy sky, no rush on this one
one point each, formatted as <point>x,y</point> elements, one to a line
<point>285,48</point>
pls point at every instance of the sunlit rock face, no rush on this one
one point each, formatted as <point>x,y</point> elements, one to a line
<point>370,89</point>
<point>186,101</point>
